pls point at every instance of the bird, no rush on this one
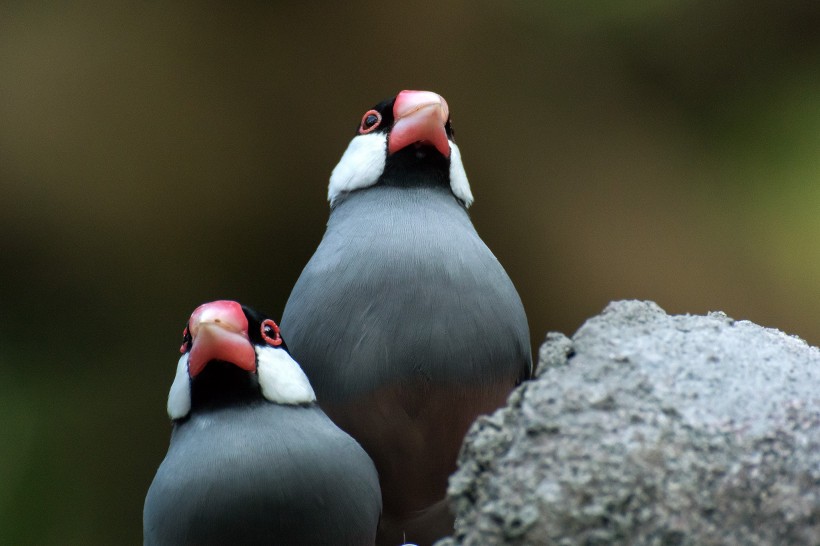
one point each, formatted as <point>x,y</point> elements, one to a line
<point>252,458</point>
<point>405,322</point>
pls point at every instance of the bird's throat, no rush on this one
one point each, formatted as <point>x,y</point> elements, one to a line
<point>416,166</point>
<point>223,384</point>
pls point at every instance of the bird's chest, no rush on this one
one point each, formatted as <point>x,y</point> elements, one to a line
<point>241,440</point>
<point>423,252</point>
<point>399,290</point>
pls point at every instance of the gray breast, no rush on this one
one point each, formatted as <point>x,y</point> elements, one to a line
<point>269,474</point>
<point>401,286</point>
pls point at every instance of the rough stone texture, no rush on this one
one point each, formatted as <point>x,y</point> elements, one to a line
<point>646,429</point>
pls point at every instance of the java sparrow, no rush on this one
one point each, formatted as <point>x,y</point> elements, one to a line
<point>405,322</point>
<point>252,459</point>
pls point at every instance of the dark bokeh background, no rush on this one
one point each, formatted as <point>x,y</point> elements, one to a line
<point>153,157</point>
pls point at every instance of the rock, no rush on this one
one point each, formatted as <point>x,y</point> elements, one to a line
<point>647,429</point>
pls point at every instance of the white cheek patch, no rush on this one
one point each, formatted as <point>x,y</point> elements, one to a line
<point>360,166</point>
<point>179,398</point>
<point>458,177</point>
<point>281,379</point>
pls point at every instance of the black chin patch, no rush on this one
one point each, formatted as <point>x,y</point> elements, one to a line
<point>223,384</point>
<point>414,166</point>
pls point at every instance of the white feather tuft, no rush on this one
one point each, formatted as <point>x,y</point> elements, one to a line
<point>281,379</point>
<point>179,398</point>
<point>458,177</point>
<point>360,166</point>
<point>363,163</point>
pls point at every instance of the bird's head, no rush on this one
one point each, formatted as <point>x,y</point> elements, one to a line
<point>232,355</point>
<point>402,141</point>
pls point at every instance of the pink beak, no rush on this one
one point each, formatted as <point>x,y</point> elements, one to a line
<point>419,117</point>
<point>219,331</point>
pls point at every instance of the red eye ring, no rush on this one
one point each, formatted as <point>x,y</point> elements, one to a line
<point>364,128</point>
<point>267,328</point>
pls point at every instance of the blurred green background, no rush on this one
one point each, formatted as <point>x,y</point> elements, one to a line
<point>157,155</point>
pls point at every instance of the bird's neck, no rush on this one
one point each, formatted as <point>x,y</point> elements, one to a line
<point>394,200</point>
<point>223,384</point>
<point>416,167</point>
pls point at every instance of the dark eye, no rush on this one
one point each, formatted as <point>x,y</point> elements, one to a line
<point>370,120</point>
<point>270,333</point>
<point>186,340</point>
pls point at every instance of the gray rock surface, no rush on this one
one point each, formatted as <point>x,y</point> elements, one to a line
<point>646,428</point>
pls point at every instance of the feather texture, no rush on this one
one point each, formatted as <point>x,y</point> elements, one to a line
<point>402,286</point>
<point>262,474</point>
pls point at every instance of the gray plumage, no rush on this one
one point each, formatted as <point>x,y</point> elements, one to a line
<point>408,328</point>
<point>402,286</point>
<point>262,473</point>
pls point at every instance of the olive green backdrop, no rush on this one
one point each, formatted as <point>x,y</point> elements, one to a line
<point>154,156</point>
